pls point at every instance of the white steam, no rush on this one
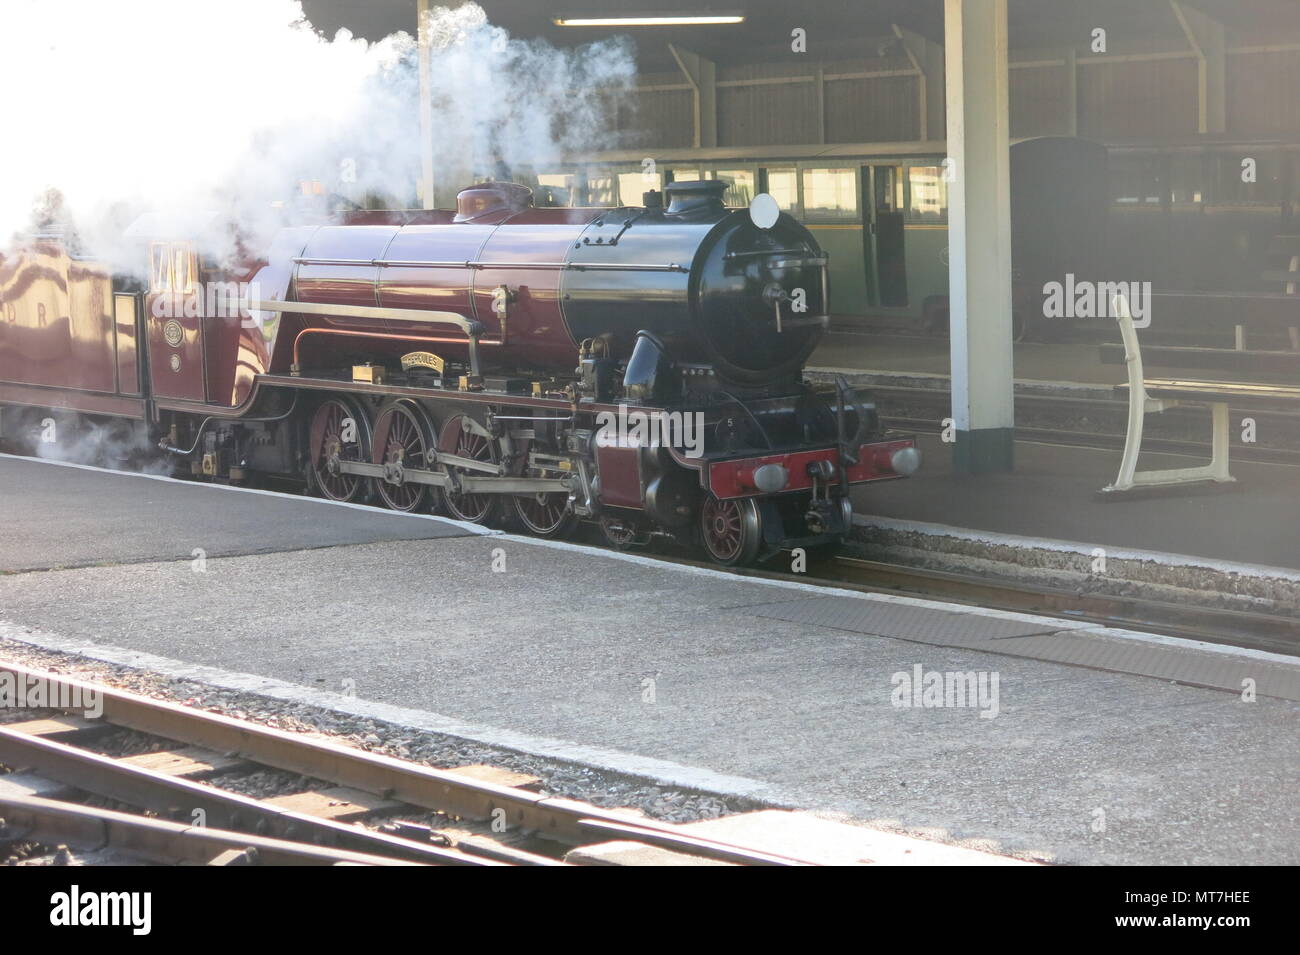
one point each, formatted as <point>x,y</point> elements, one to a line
<point>511,102</point>
<point>215,113</point>
<point>117,443</point>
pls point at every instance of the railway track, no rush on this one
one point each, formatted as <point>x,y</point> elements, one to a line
<point>1279,634</point>
<point>171,803</point>
<point>1259,631</point>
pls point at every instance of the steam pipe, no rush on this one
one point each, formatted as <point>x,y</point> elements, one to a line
<point>172,449</point>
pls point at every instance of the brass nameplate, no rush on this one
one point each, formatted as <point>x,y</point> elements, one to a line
<point>423,359</point>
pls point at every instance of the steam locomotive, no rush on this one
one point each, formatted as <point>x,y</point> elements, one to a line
<point>639,367</point>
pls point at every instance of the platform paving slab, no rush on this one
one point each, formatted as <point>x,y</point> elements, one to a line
<point>58,516</point>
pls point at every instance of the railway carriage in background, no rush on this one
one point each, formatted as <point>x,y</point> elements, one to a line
<point>1177,214</point>
<point>637,366</point>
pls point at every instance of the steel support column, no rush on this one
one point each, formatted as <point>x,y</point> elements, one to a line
<point>702,74</point>
<point>1207,39</point>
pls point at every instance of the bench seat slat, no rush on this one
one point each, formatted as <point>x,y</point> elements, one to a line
<point>1211,359</point>
<point>1194,390</point>
<point>1280,276</point>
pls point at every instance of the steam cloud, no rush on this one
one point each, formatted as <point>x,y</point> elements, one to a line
<point>213,113</point>
<point>108,442</point>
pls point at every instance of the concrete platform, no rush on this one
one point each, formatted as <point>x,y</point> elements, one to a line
<point>1049,495</point>
<point>692,676</point>
<point>48,522</point>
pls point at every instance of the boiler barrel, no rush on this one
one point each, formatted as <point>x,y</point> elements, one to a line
<point>704,279</point>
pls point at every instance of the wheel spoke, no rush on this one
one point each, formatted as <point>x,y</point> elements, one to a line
<point>543,513</point>
<point>730,530</point>
<point>473,508</point>
<point>405,445</point>
<point>327,427</point>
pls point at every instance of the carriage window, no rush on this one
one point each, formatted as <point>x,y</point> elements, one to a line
<point>830,193</point>
<point>172,267</point>
<point>555,189</point>
<point>1232,180</point>
<point>783,186</point>
<point>684,175</point>
<point>929,195</point>
<point>1292,182</point>
<point>740,186</point>
<point>1186,180</point>
<point>633,185</point>
<point>1134,180</point>
<point>602,191</point>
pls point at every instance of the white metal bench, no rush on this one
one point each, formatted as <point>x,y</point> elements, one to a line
<point>1154,395</point>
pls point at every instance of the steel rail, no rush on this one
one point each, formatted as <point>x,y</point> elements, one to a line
<point>412,783</point>
<point>565,820</point>
<point>53,822</point>
<point>163,793</point>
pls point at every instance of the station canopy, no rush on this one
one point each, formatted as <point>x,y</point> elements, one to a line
<point>838,27</point>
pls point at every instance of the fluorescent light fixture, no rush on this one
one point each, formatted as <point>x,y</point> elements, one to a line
<point>650,20</point>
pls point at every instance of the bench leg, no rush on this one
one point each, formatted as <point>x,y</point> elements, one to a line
<point>1216,470</point>
<point>1219,455</point>
<point>1132,442</point>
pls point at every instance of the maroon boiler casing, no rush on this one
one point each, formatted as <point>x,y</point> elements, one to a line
<point>536,334</point>
<point>749,301</point>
